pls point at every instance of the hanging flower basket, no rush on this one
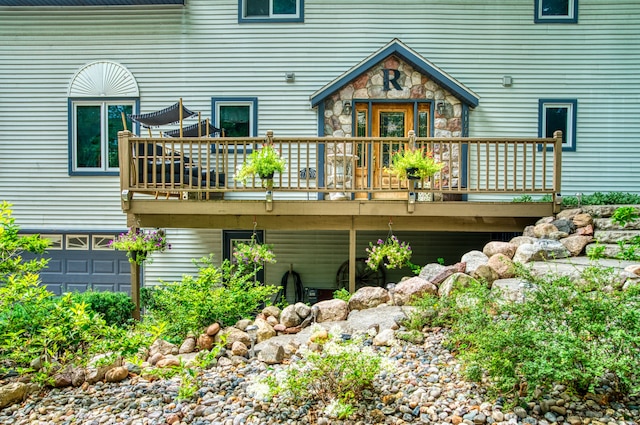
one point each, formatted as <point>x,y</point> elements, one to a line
<point>390,254</point>
<point>253,253</point>
<point>140,244</point>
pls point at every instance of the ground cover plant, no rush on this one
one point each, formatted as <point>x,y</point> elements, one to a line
<point>597,198</point>
<point>564,331</point>
<point>332,379</point>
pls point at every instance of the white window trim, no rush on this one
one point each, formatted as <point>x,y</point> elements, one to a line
<point>104,129</point>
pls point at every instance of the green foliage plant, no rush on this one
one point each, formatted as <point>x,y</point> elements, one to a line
<point>262,162</point>
<point>624,215</point>
<point>334,378</point>
<point>12,246</point>
<point>420,160</point>
<point>574,333</point>
<point>222,294</point>
<point>342,294</point>
<point>116,308</point>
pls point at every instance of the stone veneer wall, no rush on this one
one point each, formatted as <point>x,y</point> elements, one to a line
<point>369,86</point>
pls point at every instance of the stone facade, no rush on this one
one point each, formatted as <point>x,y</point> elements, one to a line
<point>370,86</point>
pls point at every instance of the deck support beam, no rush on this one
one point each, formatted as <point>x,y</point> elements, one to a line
<point>352,258</point>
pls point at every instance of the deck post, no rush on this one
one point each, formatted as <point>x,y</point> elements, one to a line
<point>557,171</point>
<point>125,163</point>
<point>411,206</point>
<point>352,258</point>
<point>135,285</point>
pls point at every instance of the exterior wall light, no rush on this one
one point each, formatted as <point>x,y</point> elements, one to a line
<point>346,109</point>
<point>290,77</point>
<point>507,81</point>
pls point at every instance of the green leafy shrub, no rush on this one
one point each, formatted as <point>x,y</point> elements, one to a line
<point>623,215</point>
<point>597,198</point>
<point>335,377</point>
<point>565,332</point>
<point>342,294</point>
<point>222,294</point>
<point>116,308</point>
<point>12,246</point>
<point>34,323</point>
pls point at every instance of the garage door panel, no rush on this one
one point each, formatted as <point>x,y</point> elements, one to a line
<point>78,266</point>
<point>54,266</point>
<point>77,287</point>
<point>104,267</point>
<point>104,287</point>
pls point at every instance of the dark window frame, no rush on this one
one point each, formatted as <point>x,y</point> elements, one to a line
<point>570,18</point>
<point>569,136</point>
<point>243,18</point>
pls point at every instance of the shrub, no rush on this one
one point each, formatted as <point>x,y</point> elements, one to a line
<point>222,294</point>
<point>565,332</point>
<point>12,246</point>
<point>34,323</point>
<point>116,308</point>
<point>336,377</point>
<point>342,294</point>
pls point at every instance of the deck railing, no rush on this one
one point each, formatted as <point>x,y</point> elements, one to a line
<point>203,167</point>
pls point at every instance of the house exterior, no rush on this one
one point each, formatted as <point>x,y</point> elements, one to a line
<point>304,69</point>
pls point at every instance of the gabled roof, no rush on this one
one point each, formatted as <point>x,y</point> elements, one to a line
<point>401,50</point>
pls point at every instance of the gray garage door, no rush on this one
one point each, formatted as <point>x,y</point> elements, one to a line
<point>83,261</point>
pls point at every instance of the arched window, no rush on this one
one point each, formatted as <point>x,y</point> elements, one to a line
<point>99,93</point>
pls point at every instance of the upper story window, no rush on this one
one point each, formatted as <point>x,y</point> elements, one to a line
<point>99,94</point>
<point>556,11</point>
<point>270,10</point>
<point>235,117</point>
<point>558,114</point>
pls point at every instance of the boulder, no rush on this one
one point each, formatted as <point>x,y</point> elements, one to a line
<point>414,287</point>
<point>213,329</point>
<point>332,310</point>
<point>271,311</point>
<point>431,270</point>
<point>575,244</point>
<point>502,265</point>
<point>505,248</point>
<point>543,249</point>
<point>188,346</point>
<point>289,318</point>
<point>12,393</point>
<point>271,354</point>
<point>484,273</point>
<point>543,230</point>
<point>569,214</point>
<point>239,349</point>
<point>564,225</point>
<point>520,240</point>
<point>473,259</point>
<point>116,374</point>
<point>302,310</point>
<point>582,220</point>
<point>456,280</point>
<point>205,341</point>
<point>385,338</point>
<point>368,297</point>
<point>265,330</point>
<point>234,334</point>
<point>167,362</point>
<point>163,347</point>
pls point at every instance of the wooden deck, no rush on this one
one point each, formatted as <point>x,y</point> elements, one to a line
<point>188,183</point>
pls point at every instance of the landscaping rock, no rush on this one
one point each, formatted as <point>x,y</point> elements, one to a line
<point>456,280</point>
<point>271,354</point>
<point>502,265</point>
<point>188,346</point>
<point>543,249</point>
<point>575,244</point>
<point>205,341</point>
<point>368,297</point>
<point>265,330</point>
<point>117,374</point>
<point>234,334</point>
<point>486,274</point>
<point>543,230</point>
<point>474,259</point>
<point>332,310</point>
<point>289,318</point>
<point>411,288</point>
<point>271,311</point>
<point>507,249</point>
<point>302,310</point>
<point>239,349</point>
<point>11,393</point>
<point>213,329</point>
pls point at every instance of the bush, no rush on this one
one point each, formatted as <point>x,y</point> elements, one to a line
<point>222,294</point>
<point>116,308</point>
<point>597,198</point>
<point>12,246</point>
<point>35,324</point>
<point>336,377</point>
<point>565,332</point>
